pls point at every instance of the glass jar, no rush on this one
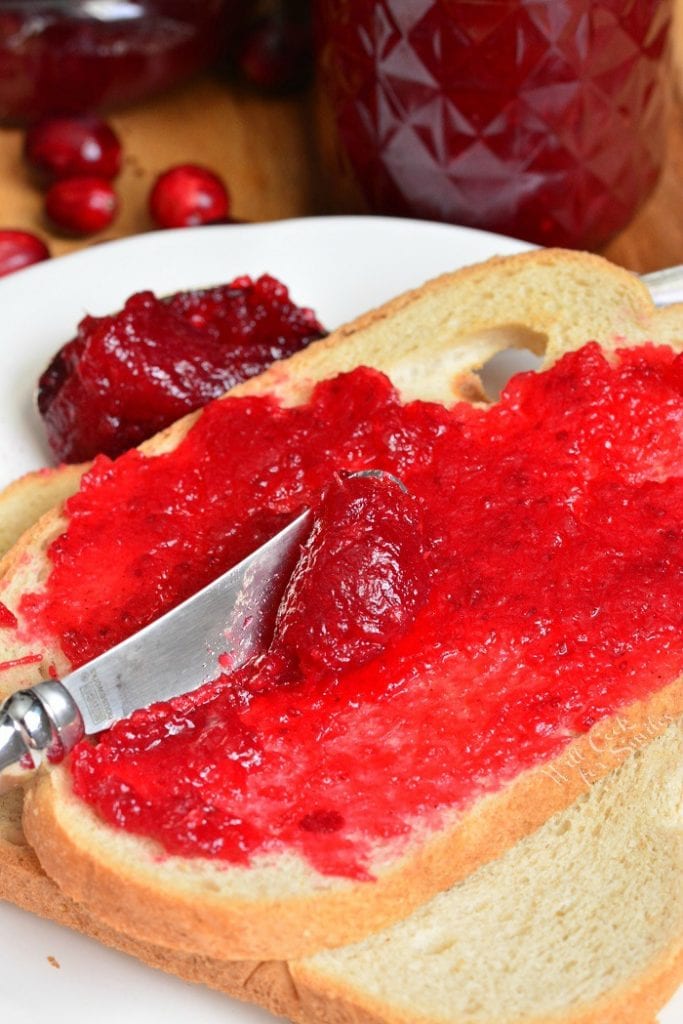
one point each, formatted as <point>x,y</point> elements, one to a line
<point>541,119</point>
<point>70,56</point>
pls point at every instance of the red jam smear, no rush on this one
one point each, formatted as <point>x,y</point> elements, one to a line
<point>28,659</point>
<point>125,377</point>
<point>553,535</point>
<point>366,548</point>
<point>8,619</point>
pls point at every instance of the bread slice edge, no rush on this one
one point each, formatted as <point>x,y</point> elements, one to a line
<point>306,991</point>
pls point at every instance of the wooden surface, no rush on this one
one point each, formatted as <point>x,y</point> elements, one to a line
<point>262,149</point>
<point>265,150</point>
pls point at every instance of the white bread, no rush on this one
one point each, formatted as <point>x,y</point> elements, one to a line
<point>428,342</point>
<point>561,926</point>
<point>579,923</point>
<point>637,805</point>
<point>27,499</point>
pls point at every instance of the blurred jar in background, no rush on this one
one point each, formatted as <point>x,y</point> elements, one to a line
<point>70,56</point>
<point>541,119</point>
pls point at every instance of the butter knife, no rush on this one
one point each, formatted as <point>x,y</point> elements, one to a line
<point>231,618</point>
<point>666,286</point>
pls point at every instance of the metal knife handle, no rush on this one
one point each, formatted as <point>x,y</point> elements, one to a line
<point>41,722</point>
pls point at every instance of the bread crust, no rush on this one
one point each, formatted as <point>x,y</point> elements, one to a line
<point>637,1001</point>
<point>152,906</point>
<point>466,316</point>
<point>288,990</point>
<point>29,497</point>
<point>295,989</point>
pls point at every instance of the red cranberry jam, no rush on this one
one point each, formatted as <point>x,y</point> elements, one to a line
<point>535,585</point>
<point>367,546</point>
<point>127,376</point>
<point>541,119</point>
<point>68,56</point>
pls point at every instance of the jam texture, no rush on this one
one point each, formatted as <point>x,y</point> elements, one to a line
<point>540,119</point>
<point>360,580</point>
<point>543,592</point>
<point>125,377</point>
<point>58,57</point>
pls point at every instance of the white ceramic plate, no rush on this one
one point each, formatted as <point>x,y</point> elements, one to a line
<point>340,267</point>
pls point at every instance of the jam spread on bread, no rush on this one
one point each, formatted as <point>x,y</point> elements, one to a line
<point>126,376</point>
<point>8,619</point>
<point>539,557</point>
<point>360,580</point>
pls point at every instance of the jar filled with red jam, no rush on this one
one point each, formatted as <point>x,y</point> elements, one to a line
<point>70,56</point>
<point>541,119</point>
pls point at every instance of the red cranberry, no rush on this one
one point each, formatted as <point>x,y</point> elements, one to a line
<point>81,206</point>
<point>69,147</point>
<point>20,249</point>
<point>187,195</point>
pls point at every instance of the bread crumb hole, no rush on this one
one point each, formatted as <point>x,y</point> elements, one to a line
<point>497,371</point>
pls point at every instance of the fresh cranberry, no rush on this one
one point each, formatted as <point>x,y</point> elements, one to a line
<point>188,195</point>
<point>126,376</point>
<point>81,206</point>
<point>20,249</point>
<point>366,547</point>
<point>69,147</point>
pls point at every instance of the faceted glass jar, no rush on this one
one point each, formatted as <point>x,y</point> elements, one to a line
<point>541,119</point>
<point>70,56</point>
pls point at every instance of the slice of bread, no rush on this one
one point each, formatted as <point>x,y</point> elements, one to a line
<point>429,342</point>
<point>559,927</point>
<point>27,499</point>
<point>636,808</point>
<point>580,923</point>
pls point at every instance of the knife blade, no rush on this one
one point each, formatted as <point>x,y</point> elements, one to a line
<point>231,618</point>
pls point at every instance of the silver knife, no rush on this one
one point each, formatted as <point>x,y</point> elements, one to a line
<point>231,618</point>
<point>666,286</point>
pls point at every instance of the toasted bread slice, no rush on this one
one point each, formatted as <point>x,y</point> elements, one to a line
<point>580,923</point>
<point>428,342</point>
